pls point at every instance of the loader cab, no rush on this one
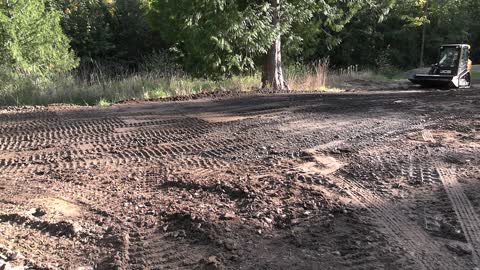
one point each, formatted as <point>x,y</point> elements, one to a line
<point>453,59</point>
<point>448,60</point>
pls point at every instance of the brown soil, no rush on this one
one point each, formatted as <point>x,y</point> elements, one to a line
<point>353,180</point>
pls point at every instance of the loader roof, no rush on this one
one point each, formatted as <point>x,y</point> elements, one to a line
<point>455,45</point>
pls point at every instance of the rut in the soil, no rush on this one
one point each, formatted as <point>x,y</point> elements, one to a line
<point>399,228</point>
<point>466,214</point>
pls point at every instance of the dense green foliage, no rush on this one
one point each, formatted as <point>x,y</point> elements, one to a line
<point>214,37</point>
<point>32,40</point>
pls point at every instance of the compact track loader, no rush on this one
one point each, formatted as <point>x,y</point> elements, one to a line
<point>453,69</point>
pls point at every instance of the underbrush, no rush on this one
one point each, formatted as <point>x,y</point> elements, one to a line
<point>25,89</point>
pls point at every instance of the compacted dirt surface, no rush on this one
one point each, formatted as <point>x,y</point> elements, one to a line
<point>350,180</point>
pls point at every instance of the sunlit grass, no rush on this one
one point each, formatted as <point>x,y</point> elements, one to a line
<point>104,103</point>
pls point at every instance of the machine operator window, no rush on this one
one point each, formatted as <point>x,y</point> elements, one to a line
<point>464,59</point>
<point>448,57</point>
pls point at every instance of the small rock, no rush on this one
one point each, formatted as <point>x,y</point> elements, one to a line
<point>76,229</point>
<point>295,221</point>
<point>212,263</point>
<point>337,253</point>
<point>180,233</point>
<point>230,245</point>
<point>85,268</point>
<point>459,248</point>
<point>228,215</point>
<point>37,212</point>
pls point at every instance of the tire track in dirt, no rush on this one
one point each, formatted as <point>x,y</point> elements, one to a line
<point>152,250</point>
<point>467,217</point>
<point>466,214</point>
<point>422,249</point>
<point>102,132</point>
<point>122,148</point>
<point>418,171</point>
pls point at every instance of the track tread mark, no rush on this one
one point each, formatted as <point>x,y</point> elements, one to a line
<point>398,227</point>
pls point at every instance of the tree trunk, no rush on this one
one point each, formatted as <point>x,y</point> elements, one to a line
<point>272,75</point>
<point>424,32</point>
<point>422,50</point>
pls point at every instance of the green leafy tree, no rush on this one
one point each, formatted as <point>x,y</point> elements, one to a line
<point>214,38</point>
<point>88,23</point>
<point>32,39</point>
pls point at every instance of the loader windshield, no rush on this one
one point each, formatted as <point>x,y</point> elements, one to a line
<point>449,57</point>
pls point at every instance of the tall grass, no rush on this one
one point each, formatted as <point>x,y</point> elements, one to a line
<point>321,77</point>
<point>157,77</point>
<point>308,78</point>
<point>65,88</point>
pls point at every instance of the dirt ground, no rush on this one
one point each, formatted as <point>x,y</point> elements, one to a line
<point>349,180</point>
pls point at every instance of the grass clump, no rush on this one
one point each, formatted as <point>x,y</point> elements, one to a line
<point>308,78</point>
<point>103,103</point>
